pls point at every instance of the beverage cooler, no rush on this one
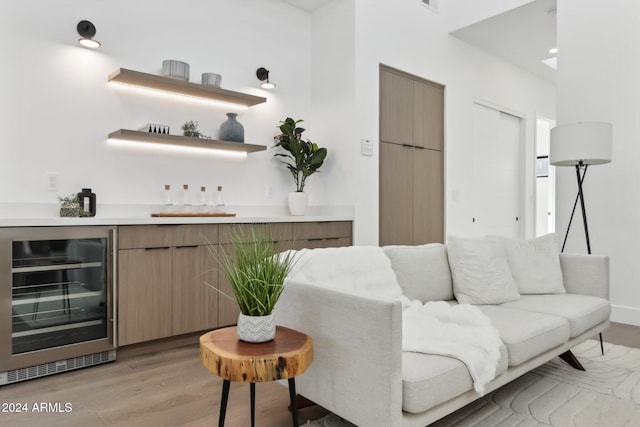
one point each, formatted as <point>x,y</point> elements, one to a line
<point>56,300</point>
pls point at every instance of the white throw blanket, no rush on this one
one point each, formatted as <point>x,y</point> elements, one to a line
<point>461,331</point>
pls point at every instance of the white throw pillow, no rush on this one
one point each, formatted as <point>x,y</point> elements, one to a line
<point>535,264</point>
<point>480,271</point>
<point>422,271</point>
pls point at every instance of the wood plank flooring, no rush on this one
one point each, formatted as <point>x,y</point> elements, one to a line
<point>168,388</point>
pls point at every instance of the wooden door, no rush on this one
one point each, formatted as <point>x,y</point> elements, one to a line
<point>228,309</point>
<point>428,197</point>
<point>144,295</point>
<point>428,114</point>
<point>396,194</point>
<point>396,107</point>
<point>195,303</point>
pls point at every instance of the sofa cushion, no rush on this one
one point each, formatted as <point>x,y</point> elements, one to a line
<point>428,380</point>
<point>359,270</point>
<point>535,264</point>
<point>525,333</point>
<point>581,311</point>
<point>480,271</point>
<point>422,271</point>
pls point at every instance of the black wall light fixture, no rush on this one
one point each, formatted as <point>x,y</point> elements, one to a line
<point>87,30</point>
<point>263,75</point>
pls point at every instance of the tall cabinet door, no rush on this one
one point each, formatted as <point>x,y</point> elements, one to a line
<point>428,114</point>
<point>428,197</point>
<point>396,108</point>
<point>195,304</point>
<point>396,194</point>
<point>144,292</point>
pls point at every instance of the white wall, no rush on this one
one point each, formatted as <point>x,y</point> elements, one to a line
<point>56,108</point>
<point>410,37</point>
<point>598,81</point>
<point>467,12</point>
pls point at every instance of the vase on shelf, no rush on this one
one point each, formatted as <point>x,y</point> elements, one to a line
<point>298,202</point>
<point>232,129</point>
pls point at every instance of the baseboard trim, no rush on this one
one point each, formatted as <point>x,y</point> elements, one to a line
<point>625,314</point>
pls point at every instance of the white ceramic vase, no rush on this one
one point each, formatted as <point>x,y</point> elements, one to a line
<point>255,329</point>
<point>298,202</point>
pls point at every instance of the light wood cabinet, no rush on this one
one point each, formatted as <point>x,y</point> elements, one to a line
<point>161,275</point>
<point>162,270</point>
<point>144,295</point>
<point>411,186</point>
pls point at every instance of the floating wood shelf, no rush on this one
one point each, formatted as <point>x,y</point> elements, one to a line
<point>167,84</point>
<point>186,141</point>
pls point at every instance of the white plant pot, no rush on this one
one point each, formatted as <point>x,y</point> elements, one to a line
<point>255,329</point>
<point>298,202</point>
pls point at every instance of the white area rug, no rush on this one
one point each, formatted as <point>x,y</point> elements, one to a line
<point>606,395</point>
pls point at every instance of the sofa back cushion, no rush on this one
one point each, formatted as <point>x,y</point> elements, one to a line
<point>357,270</point>
<point>480,271</point>
<point>422,271</point>
<point>535,264</point>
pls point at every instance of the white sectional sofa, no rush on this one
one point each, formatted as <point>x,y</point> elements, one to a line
<point>360,371</point>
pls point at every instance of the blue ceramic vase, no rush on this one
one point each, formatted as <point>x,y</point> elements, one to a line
<point>232,129</point>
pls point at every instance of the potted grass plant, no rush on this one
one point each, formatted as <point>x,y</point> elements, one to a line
<point>303,158</point>
<point>256,270</point>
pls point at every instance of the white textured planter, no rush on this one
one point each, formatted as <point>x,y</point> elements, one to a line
<point>298,202</point>
<point>255,329</point>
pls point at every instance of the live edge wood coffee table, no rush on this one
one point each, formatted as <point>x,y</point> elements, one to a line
<point>285,357</point>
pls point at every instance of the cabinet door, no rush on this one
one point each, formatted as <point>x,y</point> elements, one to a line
<point>144,295</point>
<point>428,115</point>
<point>194,303</point>
<point>396,108</point>
<point>396,194</point>
<point>428,197</point>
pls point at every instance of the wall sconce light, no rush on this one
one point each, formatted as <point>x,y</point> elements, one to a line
<point>263,75</point>
<point>87,30</point>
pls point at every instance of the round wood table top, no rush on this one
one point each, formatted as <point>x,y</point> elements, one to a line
<point>288,355</point>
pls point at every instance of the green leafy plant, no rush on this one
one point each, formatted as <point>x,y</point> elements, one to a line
<point>70,206</point>
<point>255,269</point>
<point>190,128</point>
<point>303,157</point>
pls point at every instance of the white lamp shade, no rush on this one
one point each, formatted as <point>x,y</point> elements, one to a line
<point>587,143</point>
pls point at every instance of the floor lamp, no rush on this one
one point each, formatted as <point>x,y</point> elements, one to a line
<point>580,145</point>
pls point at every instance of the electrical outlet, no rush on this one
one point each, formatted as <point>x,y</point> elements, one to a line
<point>52,181</point>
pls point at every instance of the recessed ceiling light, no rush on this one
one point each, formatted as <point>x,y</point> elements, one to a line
<point>553,50</point>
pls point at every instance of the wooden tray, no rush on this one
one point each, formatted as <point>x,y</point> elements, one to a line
<point>191,214</point>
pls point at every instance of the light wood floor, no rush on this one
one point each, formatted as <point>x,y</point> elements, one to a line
<point>169,388</point>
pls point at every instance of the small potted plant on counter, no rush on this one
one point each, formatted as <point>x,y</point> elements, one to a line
<point>303,158</point>
<point>70,206</point>
<point>256,271</point>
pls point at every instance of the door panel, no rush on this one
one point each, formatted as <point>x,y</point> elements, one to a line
<point>428,123</point>
<point>428,199</point>
<point>396,194</point>
<point>396,108</point>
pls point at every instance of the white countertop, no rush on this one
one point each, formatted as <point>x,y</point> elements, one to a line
<point>44,215</point>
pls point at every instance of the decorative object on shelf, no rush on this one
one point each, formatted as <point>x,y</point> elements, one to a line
<point>87,200</point>
<point>211,79</point>
<point>168,200</point>
<point>70,206</point>
<point>303,159</point>
<point>155,128</point>
<point>263,75</point>
<point>256,271</point>
<point>175,69</point>
<point>220,208</point>
<point>190,128</point>
<point>87,30</point>
<point>232,129</point>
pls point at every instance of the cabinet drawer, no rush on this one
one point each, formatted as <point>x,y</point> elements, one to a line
<point>154,236</point>
<point>321,230</point>
<point>279,231</point>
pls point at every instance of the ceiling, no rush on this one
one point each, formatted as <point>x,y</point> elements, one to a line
<point>308,5</point>
<point>522,36</point>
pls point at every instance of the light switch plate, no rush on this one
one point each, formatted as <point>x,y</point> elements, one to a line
<point>366,147</point>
